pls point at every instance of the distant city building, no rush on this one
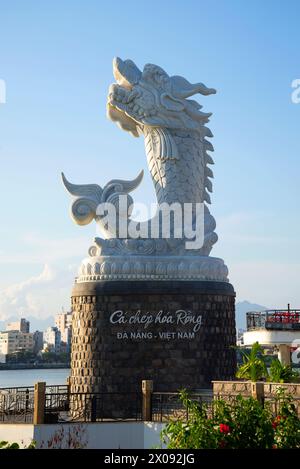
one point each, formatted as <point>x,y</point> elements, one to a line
<point>240,337</point>
<point>63,322</point>
<point>22,325</point>
<point>38,339</point>
<point>66,339</point>
<point>278,328</point>
<point>13,341</point>
<point>52,339</point>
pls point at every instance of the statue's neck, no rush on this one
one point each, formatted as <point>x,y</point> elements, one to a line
<point>162,142</point>
<point>173,160</point>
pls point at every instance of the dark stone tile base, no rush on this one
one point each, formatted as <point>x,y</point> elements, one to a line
<point>173,354</point>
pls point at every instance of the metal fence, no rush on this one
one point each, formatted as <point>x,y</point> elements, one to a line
<point>17,404</point>
<point>92,407</point>
<point>167,406</point>
<point>274,319</point>
<point>272,402</point>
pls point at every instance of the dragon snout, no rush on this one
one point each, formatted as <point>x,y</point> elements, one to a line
<point>118,93</point>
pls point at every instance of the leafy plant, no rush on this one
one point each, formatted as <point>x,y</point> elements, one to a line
<point>241,423</point>
<point>7,445</point>
<point>286,424</point>
<point>280,373</point>
<point>31,445</point>
<point>254,365</point>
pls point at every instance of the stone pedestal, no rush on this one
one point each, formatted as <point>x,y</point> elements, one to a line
<point>179,334</point>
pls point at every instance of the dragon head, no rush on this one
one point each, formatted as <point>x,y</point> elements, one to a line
<point>153,99</point>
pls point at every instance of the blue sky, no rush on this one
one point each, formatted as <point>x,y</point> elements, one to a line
<point>55,58</point>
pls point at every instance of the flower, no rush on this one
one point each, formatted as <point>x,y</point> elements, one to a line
<point>277,421</point>
<point>224,428</point>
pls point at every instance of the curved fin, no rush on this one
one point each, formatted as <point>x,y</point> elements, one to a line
<point>125,186</point>
<point>208,172</point>
<point>208,185</point>
<point>208,159</point>
<point>92,191</point>
<point>208,145</point>
<point>207,132</point>
<point>207,197</point>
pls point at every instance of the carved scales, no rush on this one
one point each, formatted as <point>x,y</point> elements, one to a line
<point>154,105</point>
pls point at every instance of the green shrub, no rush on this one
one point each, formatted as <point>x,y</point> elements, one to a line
<point>254,364</point>
<point>7,445</point>
<point>242,423</point>
<point>280,373</point>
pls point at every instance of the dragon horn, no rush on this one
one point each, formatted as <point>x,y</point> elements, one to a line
<point>182,88</point>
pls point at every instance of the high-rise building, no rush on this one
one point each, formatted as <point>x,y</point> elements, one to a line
<point>38,341</point>
<point>52,339</point>
<point>13,341</point>
<point>63,322</point>
<point>16,338</point>
<point>22,325</point>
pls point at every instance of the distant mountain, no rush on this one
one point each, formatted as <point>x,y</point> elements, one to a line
<point>243,307</point>
<point>36,324</point>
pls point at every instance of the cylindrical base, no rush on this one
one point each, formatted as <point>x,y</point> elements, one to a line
<point>178,334</point>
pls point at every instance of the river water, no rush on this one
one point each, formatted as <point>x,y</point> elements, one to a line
<point>13,378</point>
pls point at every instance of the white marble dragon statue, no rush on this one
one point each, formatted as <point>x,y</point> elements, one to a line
<point>154,105</point>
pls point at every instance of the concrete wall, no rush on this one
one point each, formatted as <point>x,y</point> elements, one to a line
<point>113,435</point>
<point>152,435</point>
<point>17,433</point>
<point>244,388</point>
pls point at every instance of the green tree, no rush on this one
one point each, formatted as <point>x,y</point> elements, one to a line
<point>254,365</point>
<point>280,373</point>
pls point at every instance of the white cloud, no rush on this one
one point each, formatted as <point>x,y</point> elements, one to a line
<point>40,296</point>
<point>34,248</point>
